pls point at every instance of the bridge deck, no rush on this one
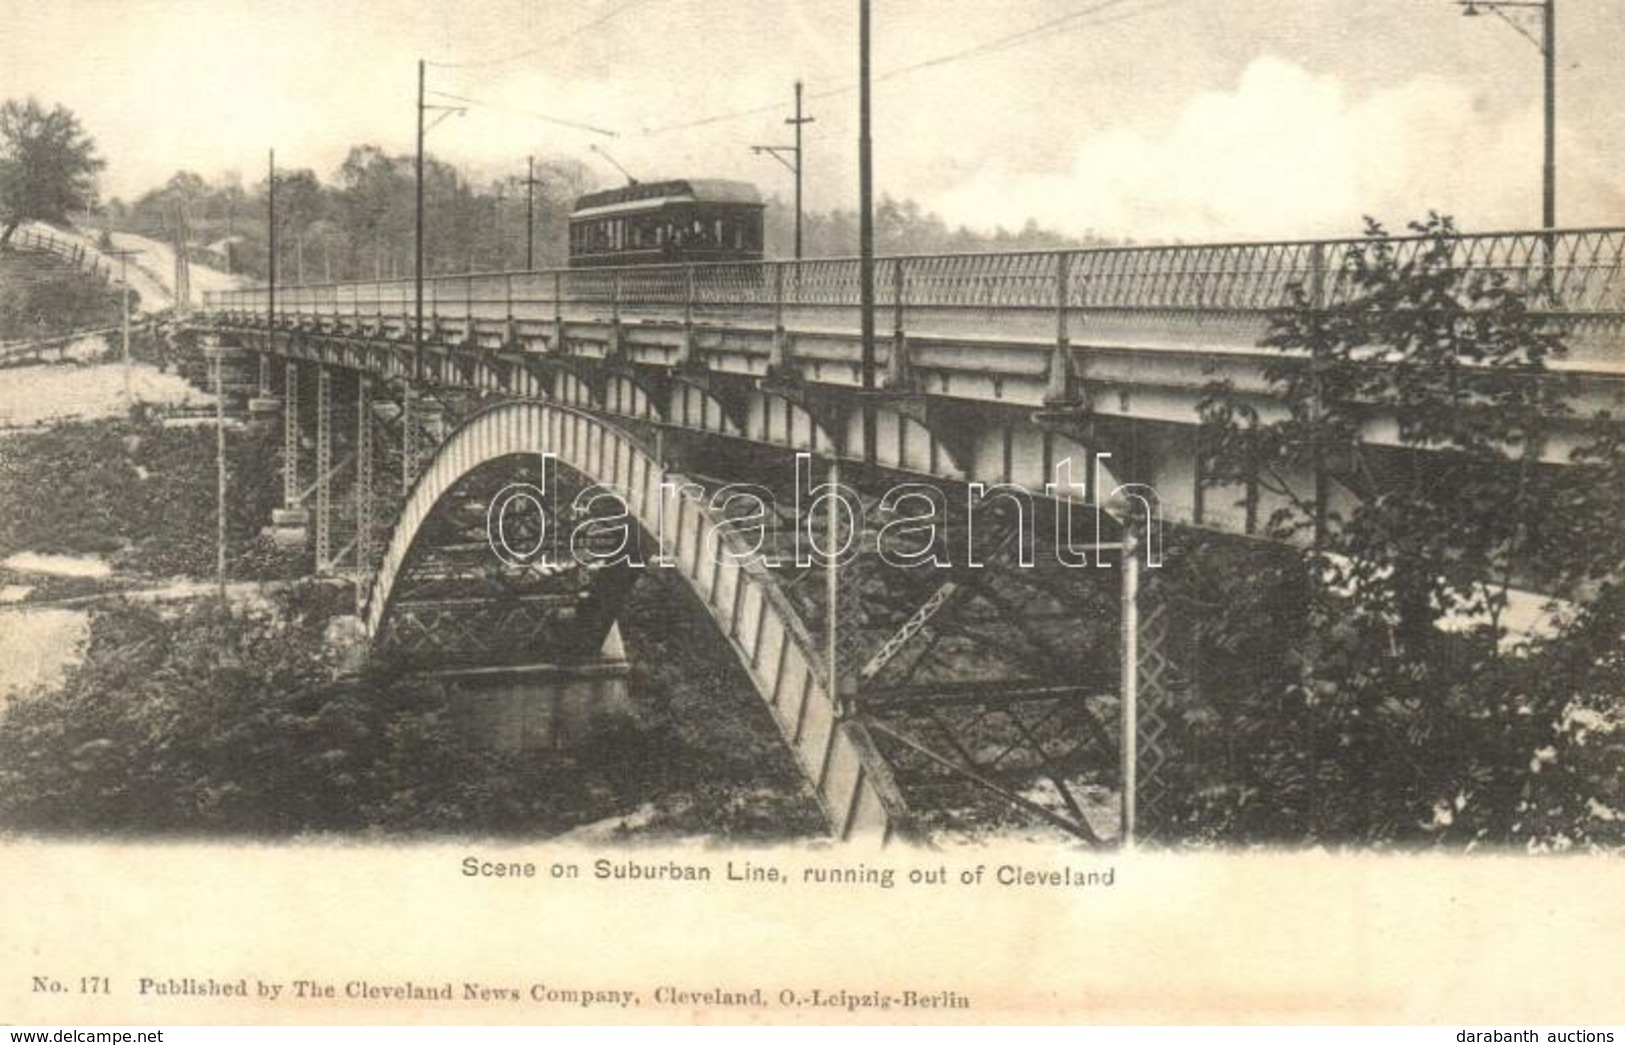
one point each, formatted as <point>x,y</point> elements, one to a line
<point>1194,296</point>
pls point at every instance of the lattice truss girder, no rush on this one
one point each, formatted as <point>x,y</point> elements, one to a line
<point>458,602</point>
<point>329,458</point>
<point>991,689</point>
<point>1165,687</point>
<point>393,429</point>
<point>418,418</point>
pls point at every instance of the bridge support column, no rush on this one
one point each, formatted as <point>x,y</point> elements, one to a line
<point>324,470</point>
<point>363,483</point>
<point>409,447</point>
<point>289,522</point>
<point>1157,692</point>
<point>547,707</point>
<point>265,405</point>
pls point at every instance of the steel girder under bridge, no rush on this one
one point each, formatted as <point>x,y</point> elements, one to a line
<point>890,686</point>
<point>999,369</point>
<point>955,690</point>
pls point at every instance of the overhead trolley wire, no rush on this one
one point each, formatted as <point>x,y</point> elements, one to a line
<point>1053,27</point>
<point>552,43</point>
<point>526,112</point>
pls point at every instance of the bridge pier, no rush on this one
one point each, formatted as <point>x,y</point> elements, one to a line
<point>324,470</point>
<point>543,707</point>
<point>266,404</point>
<point>289,523</point>
<point>234,366</point>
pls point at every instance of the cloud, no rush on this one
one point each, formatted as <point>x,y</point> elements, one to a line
<point>1287,153</point>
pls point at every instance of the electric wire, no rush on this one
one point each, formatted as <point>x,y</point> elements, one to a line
<point>1053,27</point>
<point>551,44</point>
<point>559,120</point>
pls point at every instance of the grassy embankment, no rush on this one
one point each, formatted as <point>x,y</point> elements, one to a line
<point>215,721</point>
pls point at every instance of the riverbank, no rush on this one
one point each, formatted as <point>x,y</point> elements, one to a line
<point>137,705</point>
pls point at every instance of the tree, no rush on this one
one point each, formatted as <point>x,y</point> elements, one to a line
<point>375,208</point>
<point>300,203</point>
<point>1383,699</point>
<point>48,165</point>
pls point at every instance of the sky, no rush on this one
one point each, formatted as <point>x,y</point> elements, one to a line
<point>1148,119</point>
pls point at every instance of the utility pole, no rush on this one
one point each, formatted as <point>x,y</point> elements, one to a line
<point>797,121</point>
<point>1549,170</point>
<point>794,166</point>
<point>124,278</point>
<point>866,229</point>
<point>220,473</point>
<point>530,215</point>
<point>1547,45</point>
<point>183,271</point>
<point>417,230</point>
<point>270,198</point>
<point>501,227</point>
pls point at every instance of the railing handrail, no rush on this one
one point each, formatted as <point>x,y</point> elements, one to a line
<point>77,252</point>
<point>678,266</point>
<point>1214,276</point>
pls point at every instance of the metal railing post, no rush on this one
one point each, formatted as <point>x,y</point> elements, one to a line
<point>688,314</point>
<point>558,313</point>
<point>778,354</point>
<point>897,367</point>
<point>615,300</point>
<point>1060,387</point>
<point>510,330</point>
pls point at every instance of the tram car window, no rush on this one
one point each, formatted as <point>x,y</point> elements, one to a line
<point>665,222</point>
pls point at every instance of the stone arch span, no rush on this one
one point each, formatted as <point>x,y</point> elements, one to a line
<point>850,779</point>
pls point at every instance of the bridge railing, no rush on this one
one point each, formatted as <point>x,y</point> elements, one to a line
<point>73,252</point>
<point>1575,272</point>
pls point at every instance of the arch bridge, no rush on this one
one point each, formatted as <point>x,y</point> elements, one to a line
<point>1032,667</point>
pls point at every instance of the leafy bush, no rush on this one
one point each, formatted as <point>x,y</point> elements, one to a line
<point>219,722</point>
<point>142,492</point>
<point>41,298</point>
<point>1339,707</point>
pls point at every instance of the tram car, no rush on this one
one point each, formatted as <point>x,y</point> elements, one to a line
<point>665,222</point>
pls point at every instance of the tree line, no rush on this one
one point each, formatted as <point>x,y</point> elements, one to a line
<point>359,224</point>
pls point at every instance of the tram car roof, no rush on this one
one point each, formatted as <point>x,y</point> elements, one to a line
<point>653,195</point>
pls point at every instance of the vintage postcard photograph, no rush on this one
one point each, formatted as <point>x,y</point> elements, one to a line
<point>812,511</point>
